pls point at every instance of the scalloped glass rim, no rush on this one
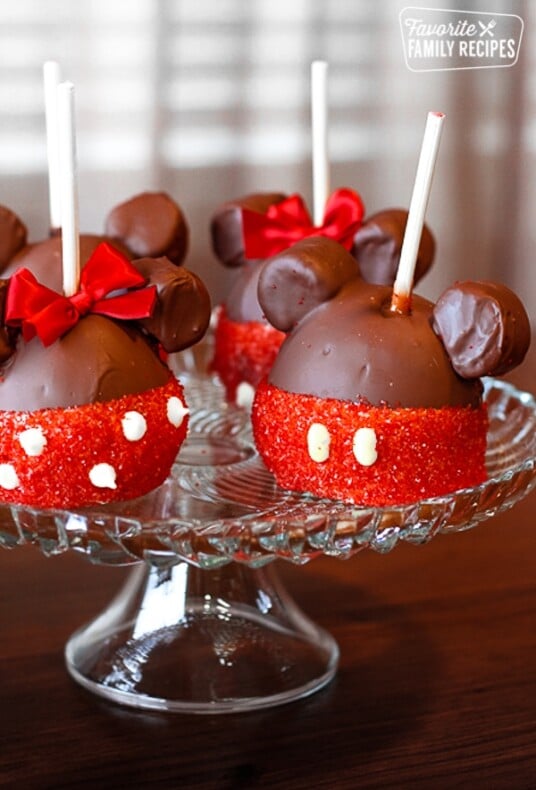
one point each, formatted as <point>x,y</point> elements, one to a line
<point>264,522</point>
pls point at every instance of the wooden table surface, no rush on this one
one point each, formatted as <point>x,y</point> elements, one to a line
<point>436,688</point>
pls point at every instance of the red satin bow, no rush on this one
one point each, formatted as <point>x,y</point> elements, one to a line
<point>40,311</point>
<point>287,222</point>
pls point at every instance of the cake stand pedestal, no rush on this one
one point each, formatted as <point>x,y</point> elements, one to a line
<point>179,638</point>
<point>203,625</point>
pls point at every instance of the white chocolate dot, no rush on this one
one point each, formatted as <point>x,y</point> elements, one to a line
<point>244,395</point>
<point>134,426</point>
<point>8,477</point>
<point>364,446</point>
<point>32,441</point>
<point>103,476</point>
<point>176,411</point>
<point>318,441</point>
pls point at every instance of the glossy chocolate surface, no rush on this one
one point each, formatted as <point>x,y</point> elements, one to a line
<point>299,279</point>
<point>44,258</point>
<point>242,303</point>
<point>101,359</point>
<point>226,226</point>
<point>12,236</point>
<point>378,243</point>
<point>8,336</point>
<point>150,225</point>
<point>182,312</point>
<point>484,328</point>
<point>98,360</point>
<point>349,345</point>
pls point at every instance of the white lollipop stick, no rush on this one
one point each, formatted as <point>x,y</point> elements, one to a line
<point>417,209</point>
<point>319,128</point>
<point>68,189</point>
<point>51,80</point>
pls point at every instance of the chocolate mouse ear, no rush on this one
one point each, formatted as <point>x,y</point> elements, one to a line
<point>12,235</point>
<point>226,225</point>
<point>310,272</point>
<point>377,246</point>
<point>8,335</point>
<point>150,225</point>
<point>484,328</point>
<point>182,311</point>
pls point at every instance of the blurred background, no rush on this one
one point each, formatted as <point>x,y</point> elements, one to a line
<point>209,100</point>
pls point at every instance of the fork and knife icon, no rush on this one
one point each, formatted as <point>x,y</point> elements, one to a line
<point>487,29</point>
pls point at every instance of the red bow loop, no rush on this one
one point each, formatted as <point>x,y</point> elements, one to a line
<point>40,311</point>
<point>287,222</point>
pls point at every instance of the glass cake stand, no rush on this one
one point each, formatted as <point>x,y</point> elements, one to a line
<point>203,624</point>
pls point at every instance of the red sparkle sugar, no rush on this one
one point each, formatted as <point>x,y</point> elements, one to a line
<point>422,452</point>
<point>243,351</point>
<point>79,437</point>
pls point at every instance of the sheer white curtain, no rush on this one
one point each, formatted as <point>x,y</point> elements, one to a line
<point>209,99</point>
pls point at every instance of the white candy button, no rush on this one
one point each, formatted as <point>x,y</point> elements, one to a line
<point>8,477</point>
<point>32,441</point>
<point>134,426</point>
<point>103,476</point>
<point>244,395</point>
<point>318,441</point>
<point>176,411</point>
<point>364,446</point>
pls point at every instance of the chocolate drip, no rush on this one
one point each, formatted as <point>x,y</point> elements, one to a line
<point>150,225</point>
<point>377,246</point>
<point>484,328</point>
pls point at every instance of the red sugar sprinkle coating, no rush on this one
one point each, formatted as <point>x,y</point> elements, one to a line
<point>80,437</point>
<point>422,452</point>
<point>243,351</point>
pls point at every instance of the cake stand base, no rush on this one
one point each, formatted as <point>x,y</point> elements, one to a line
<point>183,639</point>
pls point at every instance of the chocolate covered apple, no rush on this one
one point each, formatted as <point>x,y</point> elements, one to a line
<point>245,344</point>
<point>89,411</point>
<point>372,405</point>
<point>247,231</point>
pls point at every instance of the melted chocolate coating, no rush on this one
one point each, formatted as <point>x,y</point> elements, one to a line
<point>377,246</point>
<point>98,360</point>
<point>242,303</point>
<point>150,225</point>
<point>43,259</point>
<point>484,328</point>
<point>12,236</point>
<point>354,348</point>
<point>346,343</point>
<point>226,226</point>
<point>299,279</point>
<point>101,359</point>
<point>8,336</point>
<point>182,312</point>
